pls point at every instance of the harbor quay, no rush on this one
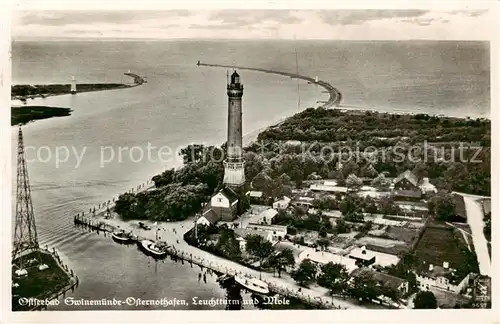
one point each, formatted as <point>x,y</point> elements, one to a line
<point>177,248</point>
<point>100,219</point>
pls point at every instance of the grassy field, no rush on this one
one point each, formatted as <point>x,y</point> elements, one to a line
<point>406,235</point>
<point>38,284</point>
<point>440,243</point>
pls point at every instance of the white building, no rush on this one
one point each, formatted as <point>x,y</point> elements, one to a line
<point>243,243</point>
<point>254,194</point>
<point>427,187</point>
<point>266,217</point>
<point>362,256</point>
<point>304,202</point>
<point>322,257</point>
<point>281,204</point>
<point>208,218</point>
<point>276,232</point>
<point>441,277</point>
<point>224,204</point>
<point>244,232</point>
<point>328,186</point>
<point>381,259</point>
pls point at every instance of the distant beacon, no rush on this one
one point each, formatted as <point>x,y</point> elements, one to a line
<point>234,171</point>
<point>73,85</point>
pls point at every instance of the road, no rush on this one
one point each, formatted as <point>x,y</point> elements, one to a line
<point>476,223</point>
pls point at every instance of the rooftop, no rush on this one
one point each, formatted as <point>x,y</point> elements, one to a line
<point>243,232</point>
<point>410,176</point>
<point>269,213</point>
<point>322,257</point>
<point>407,193</point>
<point>229,193</point>
<point>385,279</point>
<point>266,227</point>
<point>285,199</point>
<point>329,188</point>
<point>211,216</point>
<point>438,271</point>
<point>362,253</point>
<point>255,194</point>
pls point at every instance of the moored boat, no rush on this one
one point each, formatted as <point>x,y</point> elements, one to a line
<point>122,237</point>
<point>150,247</point>
<point>253,284</point>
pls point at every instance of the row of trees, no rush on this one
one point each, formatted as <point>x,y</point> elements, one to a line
<point>487,226</point>
<point>335,277</point>
<point>227,246</point>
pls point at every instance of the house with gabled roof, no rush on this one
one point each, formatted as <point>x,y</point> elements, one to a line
<point>208,218</point>
<point>442,277</point>
<point>225,204</point>
<point>406,186</point>
<point>395,283</point>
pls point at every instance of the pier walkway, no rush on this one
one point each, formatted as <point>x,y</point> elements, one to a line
<point>172,235</point>
<point>335,95</point>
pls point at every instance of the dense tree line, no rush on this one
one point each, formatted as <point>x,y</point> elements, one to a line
<point>172,202</point>
<point>178,193</point>
<point>56,89</point>
<point>372,127</point>
<point>325,133</point>
<point>26,114</point>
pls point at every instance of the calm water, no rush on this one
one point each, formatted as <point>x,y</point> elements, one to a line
<point>183,103</point>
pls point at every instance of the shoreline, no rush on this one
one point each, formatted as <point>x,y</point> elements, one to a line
<point>22,115</point>
<point>88,87</point>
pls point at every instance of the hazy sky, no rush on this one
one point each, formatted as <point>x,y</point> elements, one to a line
<point>257,24</point>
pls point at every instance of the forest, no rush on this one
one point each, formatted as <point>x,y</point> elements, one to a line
<point>26,114</point>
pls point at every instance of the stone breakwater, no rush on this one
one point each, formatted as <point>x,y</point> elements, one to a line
<point>335,94</point>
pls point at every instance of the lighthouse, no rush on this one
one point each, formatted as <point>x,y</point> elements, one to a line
<point>234,171</point>
<point>73,85</point>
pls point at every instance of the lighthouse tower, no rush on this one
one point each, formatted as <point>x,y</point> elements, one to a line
<point>234,171</point>
<point>73,85</point>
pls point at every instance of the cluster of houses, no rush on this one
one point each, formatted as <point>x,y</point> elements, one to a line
<point>223,207</point>
<point>406,186</point>
<point>358,261</point>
